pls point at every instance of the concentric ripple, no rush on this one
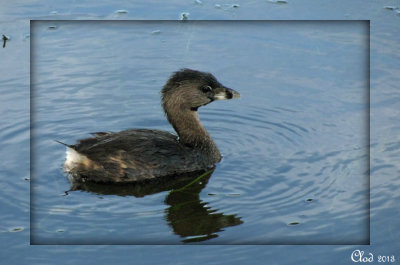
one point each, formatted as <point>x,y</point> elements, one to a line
<point>273,162</point>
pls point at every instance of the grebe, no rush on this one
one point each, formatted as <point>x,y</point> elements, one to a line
<point>143,154</point>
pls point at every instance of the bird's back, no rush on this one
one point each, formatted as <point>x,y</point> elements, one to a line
<point>132,155</point>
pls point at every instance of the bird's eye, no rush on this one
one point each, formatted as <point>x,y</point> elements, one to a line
<point>206,89</point>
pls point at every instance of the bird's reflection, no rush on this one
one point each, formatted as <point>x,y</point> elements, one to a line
<point>189,217</point>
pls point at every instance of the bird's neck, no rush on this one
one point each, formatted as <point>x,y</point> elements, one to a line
<point>192,133</point>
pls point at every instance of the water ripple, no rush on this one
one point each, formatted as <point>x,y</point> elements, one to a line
<point>286,184</point>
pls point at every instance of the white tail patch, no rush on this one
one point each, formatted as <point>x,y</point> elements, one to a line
<point>74,159</point>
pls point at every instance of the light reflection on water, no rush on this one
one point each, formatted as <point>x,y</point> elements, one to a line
<point>384,141</point>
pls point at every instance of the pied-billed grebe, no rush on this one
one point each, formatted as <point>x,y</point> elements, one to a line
<point>141,154</point>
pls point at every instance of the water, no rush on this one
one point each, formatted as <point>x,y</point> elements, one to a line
<point>295,146</point>
<point>297,156</point>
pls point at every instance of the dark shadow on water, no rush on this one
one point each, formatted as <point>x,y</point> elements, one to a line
<point>193,219</point>
<point>188,216</point>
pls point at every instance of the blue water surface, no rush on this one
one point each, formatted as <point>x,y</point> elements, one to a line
<point>295,148</point>
<point>298,147</point>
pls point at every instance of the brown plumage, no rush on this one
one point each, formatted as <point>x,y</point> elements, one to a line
<point>142,154</point>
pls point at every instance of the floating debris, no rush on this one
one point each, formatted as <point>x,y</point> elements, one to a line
<point>198,2</point>
<point>280,2</point>
<point>121,11</point>
<point>185,16</point>
<point>390,7</point>
<point>5,39</point>
<point>156,32</point>
<point>293,223</point>
<point>52,27</point>
<point>16,229</point>
<point>227,7</point>
<point>309,200</point>
<point>212,194</point>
